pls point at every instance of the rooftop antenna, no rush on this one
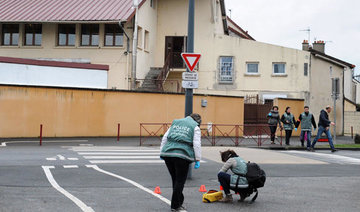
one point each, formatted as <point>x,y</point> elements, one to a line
<point>308,30</point>
<point>230,12</point>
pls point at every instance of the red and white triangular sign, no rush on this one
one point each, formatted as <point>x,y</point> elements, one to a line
<point>190,59</point>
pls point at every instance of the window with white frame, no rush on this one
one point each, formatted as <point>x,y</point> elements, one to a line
<point>252,68</point>
<point>226,65</point>
<point>279,68</point>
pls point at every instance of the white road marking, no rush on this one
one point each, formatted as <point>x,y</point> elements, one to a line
<point>131,182</point>
<point>129,161</point>
<point>53,141</point>
<point>86,144</point>
<point>333,158</point>
<point>114,150</point>
<point>117,153</point>
<point>50,158</point>
<point>61,157</point>
<point>70,166</point>
<point>54,184</point>
<point>121,157</point>
<point>73,158</point>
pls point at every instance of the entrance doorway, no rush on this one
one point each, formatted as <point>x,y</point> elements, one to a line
<point>255,112</point>
<point>174,46</point>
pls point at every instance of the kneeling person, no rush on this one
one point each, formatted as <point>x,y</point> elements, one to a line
<point>234,182</point>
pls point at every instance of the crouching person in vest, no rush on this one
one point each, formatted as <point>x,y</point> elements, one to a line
<point>180,146</point>
<point>234,182</point>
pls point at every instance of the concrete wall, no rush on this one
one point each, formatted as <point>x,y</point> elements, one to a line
<point>79,112</point>
<point>296,105</point>
<point>348,106</point>
<point>352,120</point>
<point>358,93</point>
<point>320,90</point>
<point>16,74</point>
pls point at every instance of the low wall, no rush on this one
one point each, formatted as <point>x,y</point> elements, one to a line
<point>351,119</point>
<point>82,112</point>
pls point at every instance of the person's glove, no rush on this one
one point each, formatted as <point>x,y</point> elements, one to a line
<point>161,158</point>
<point>197,165</point>
<point>269,114</point>
<point>295,129</point>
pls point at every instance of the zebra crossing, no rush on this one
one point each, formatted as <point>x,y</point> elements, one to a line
<point>119,155</point>
<point>326,157</point>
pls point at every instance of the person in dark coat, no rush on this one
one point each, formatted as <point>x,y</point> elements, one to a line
<point>324,126</point>
<point>273,121</point>
<point>288,121</point>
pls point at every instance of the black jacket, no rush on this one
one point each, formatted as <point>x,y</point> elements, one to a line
<point>324,119</point>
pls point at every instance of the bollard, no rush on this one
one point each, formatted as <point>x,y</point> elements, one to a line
<point>352,132</point>
<point>41,126</point>
<point>118,132</point>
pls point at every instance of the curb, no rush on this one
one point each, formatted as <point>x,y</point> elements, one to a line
<point>301,148</point>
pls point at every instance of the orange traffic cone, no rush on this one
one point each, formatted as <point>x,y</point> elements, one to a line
<point>202,188</point>
<point>157,190</point>
<point>221,188</point>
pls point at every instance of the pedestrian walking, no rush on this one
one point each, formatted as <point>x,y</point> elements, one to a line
<point>180,146</point>
<point>288,121</point>
<point>273,121</point>
<point>307,121</point>
<point>324,126</point>
<point>232,181</point>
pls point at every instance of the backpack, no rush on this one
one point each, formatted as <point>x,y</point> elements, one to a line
<point>256,178</point>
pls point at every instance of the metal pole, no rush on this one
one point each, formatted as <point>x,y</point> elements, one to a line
<point>334,115</point>
<point>190,49</point>
<point>41,127</point>
<point>134,50</point>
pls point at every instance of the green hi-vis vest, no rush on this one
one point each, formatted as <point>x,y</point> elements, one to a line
<point>241,168</point>
<point>306,122</point>
<point>180,140</point>
<point>289,118</point>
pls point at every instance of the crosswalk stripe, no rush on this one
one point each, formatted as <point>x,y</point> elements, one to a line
<point>121,157</point>
<point>117,153</point>
<point>125,161</point>
<point>332,158</point>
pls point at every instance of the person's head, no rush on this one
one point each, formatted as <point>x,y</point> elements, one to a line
<point>306,109</point>
<point>196,118</point>
<point>288,110</point>
<point>328,108</point>
<point>227,155</point>
<point>275,108</point>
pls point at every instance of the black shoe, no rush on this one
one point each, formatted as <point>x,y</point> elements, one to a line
<point>312,149</point>
<point>302,143</point>
<point>333,150</point>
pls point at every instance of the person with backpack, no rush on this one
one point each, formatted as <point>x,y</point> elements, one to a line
<point>238,166</point>
<point>246,177</point>
<point>306,119</point>
<point>180,146</point>
<point>288,121</point>
<point>324,126</point>
<point>273,121</point>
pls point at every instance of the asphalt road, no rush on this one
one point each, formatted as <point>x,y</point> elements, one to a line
<point>77,176</point>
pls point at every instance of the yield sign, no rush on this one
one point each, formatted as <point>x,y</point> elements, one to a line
<point>190,59</point>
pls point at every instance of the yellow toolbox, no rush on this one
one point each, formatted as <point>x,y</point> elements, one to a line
<point>212,196</point>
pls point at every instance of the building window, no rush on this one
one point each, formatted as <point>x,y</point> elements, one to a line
<point>139,37</point>
<point>33,34</point>
<point>152,3</point>
<point>10,34</point>
<point>279,68</point>
<point>306,66</point>
<point>226,69</point>
<point>90,34</point>
<point>146,41</point>
<point>66,34</point>
<point>252,68</point>
<point>113,35</point>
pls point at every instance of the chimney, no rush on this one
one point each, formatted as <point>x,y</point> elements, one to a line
<point>319,46</point>
<point>305,45</point>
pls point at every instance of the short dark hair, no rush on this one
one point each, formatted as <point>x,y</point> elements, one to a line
<point>306,107</point>
<point>227,155</point>
<point>287,108</point>
<point>275,107</point>
<point>196,118</point>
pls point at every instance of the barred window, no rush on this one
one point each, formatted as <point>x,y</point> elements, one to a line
<point>252,68</point>
<point>226,69</point>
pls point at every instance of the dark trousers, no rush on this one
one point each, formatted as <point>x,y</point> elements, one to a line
<point>273,131</point>
<point>224,180</point>
<point>287,136</point>
<point>178,169</point>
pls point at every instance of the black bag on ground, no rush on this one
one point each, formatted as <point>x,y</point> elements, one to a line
<point>256,178</point>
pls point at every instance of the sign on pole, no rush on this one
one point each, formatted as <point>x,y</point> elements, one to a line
<point>190,76</point>
<point>190,59</point>
<point>190,84</point>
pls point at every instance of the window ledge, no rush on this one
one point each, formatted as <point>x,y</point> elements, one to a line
<point>252,75</point>
<point>139,48</point>
<point>32,47</point>
<point>64,47</point>
<point>9,47</point>
<point>279,75</point>
<point>225,82</point>
<point>89,47</point>
<point>112,47</point>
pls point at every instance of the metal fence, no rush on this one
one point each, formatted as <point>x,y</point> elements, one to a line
<point>215,134</point>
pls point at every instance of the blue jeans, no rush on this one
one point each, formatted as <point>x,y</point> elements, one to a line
<point>319,133</point>
<point>308,139</point>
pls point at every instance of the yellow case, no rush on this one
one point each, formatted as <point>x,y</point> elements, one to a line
<point>212,196</point>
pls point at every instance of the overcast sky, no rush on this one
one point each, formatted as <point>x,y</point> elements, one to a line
<point>279,22</point>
